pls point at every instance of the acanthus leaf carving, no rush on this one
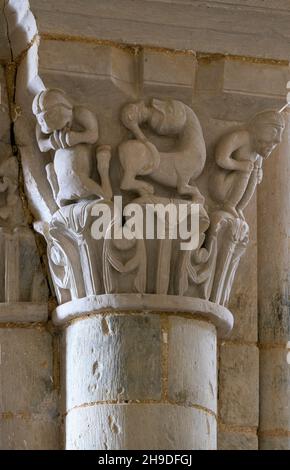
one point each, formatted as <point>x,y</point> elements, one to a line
<point>22,277</point>
<point>82,265</point>
<point>118,256</point>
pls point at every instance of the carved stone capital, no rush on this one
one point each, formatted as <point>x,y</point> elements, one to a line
<point>163,173</point>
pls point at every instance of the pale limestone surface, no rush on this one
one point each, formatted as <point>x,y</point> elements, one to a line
<point>23,312</point>
<point>244,303</point>
<point>234,440</point>
<point>29,415</point>
<point>227,93</point>
<point>278,442</point>
<point>4,44</point>
<point>273,291</point>
<point>4,110</point>
<point>275,376</point>
<point>191,378</point>
<point>22,277</point>
<point>239,113</point>
<point>204,26</point>
<point>244,298</point>
<point>238,404</point>
<point>157,371</point>
<point>163,427</point>
<point>104,355</point>
<point>211,266</point>
<point>217,314</point>
<point>33,433</point>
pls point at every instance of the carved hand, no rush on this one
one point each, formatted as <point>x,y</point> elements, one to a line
<point>246,166</point>
<point>72,138</point>
<point>58,139</point>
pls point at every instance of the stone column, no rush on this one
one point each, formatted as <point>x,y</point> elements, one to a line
<point>233,90</point>
<point>139,372</point>
<point>138,122</point>
<point>273,299</point>
<point>102,268</point>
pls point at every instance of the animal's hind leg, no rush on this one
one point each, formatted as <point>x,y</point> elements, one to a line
<point>185,189</point>
<point>129,183</point>
<point>134,157</point>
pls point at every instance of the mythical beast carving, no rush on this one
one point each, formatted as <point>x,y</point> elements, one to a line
<point>177,168</point>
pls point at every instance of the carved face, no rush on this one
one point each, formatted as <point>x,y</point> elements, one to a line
<point>267,137</point>
<point>55,118</point>
<point>167,117</point>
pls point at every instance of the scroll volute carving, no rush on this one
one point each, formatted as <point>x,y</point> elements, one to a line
<point>79,175</point>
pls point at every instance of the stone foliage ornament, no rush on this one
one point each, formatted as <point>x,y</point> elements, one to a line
<point>79,175</point>
<point>21,276</point>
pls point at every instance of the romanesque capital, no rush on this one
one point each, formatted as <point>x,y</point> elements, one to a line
<point>151,215</point>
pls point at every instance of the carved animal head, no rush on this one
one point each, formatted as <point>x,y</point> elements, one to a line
<point>130,114</point>
<point>53,110</point>
<point>167,116</point>
<point>134,114</point>
<point>267,129</point>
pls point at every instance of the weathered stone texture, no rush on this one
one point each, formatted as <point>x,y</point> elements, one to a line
<point>204,26</point>
<point>232,440</point>
<point>113,357</point>
<point>275,379</point>
<point>123,369</point>
<point>239,383</point>
<point>28,405</point>
<point>155,370</point>
<point>161,426</point>
<point>278,442</point>
<point>192,363</point>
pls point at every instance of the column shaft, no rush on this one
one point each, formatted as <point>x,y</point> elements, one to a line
<point>140,381</point>
<point>273,268</point>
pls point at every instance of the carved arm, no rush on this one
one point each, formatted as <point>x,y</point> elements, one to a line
<point>226,148</point>
<point>88,122</point>
<point>45,142</point>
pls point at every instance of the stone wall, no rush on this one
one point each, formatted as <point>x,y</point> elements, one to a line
<point>29,375</point>
<point>220,59</point>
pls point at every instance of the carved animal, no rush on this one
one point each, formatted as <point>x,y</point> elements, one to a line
<point>178,168</point>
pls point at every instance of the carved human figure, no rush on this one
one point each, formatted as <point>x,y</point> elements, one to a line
<point>178,168</point>
<point>239,157</point>
<point>70,131</point>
